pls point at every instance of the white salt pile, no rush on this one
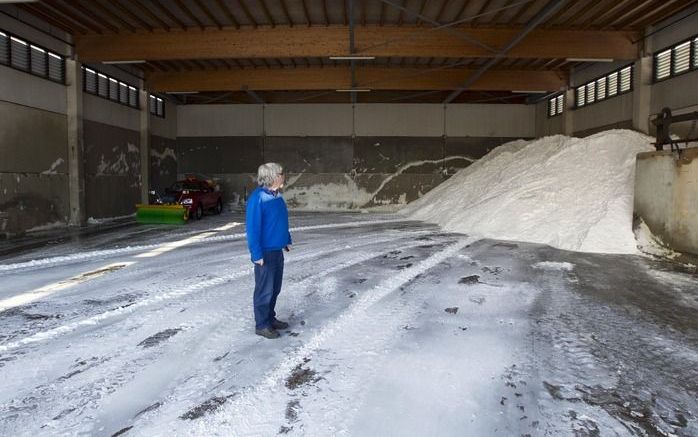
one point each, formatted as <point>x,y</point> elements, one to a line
<point>569,193</point>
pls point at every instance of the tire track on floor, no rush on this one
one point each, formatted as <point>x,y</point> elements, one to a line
<point>176,292</point>
<point>230,311</point>
<point>295,299</point>
<point>245,415</point>
<point>69,259</point>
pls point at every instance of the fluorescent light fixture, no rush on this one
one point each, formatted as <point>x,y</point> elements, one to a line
<point>353,90</point>
<point>529,91</point>
<point>589,60</point>
<point>181,92</point>
<point>18,1</point>
<point>138,61</point>
<point>352,58</point>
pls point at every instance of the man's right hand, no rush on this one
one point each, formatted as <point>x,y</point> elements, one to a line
<point>260,262</point>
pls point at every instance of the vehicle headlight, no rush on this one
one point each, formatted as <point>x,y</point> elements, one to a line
<point>187,201</point>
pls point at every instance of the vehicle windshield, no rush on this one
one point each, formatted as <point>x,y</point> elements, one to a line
<point>185,185</point>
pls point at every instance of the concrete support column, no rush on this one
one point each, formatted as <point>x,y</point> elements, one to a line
<point>642,93</point>
<point>568,113</point>
<point>76,164</point>
<point>145,144</point>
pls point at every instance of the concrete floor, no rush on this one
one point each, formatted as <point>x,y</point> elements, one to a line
<point>396,329</point>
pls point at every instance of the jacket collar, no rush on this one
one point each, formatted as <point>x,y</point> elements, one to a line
<point>268,191</point>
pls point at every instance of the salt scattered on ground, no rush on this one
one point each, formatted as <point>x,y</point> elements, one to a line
<point>570,193</point>
<point>652,244</point>
<point>553,265</point>
<point>48,226</point>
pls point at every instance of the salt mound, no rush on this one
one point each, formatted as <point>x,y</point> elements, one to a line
<point>570,193</point>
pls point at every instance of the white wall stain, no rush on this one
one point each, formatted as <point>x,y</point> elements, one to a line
<point>416,164</point>
<point>54,166</point>
<point>338,196</point>
<point>119,167</point>
<point>167,153</point>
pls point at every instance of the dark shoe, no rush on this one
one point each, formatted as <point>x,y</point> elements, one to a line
<point>278,324</point>
<point>269,333</point>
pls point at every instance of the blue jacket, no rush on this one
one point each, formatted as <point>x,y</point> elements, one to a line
<point>266,222</point>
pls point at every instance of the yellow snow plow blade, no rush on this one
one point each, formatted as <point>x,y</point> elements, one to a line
<point>164,214</point>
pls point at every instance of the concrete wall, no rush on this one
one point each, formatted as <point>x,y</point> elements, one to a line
<point>678,93</point>
<point>33,135</point>
<point>112,169</point>
<point>666,193</point>
<point>33,168</point>
<point>616,111</point>
<point>342,156</point>
<point>34,178</point>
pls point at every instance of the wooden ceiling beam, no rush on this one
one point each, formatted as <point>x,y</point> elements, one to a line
<point>306,15</point>
<point>221,4</point>
<point>208,13</point>
<point>108,12</point>
<point>284,8</point>
<point>630,12</point>
<point>598,20</point>
<point>525,8</point>
<point>94,17</point>
<point>324,12</point>
<point>170,15</point>
<point>133,16</point>
<point>571,11</point>
<point>363,13</point>
<point>49,18</point>
<point>620,12</point>
<point>421,12</point>
<point>159,66</point>
<point>497,15</point>
<point>60,10</point>
<point>589,9</point>
<point>149,13</point>
<point>249,16</point>
<point>190,14</point>
<point>329,78</point>
<point>400,18</point>
<point>480,10</point>
<point>106,20</point>
<point>345,14</point>
<point>666,9</point>
<point>173,65</point>
<point>441,10</point>
<point>283,42</point>
<point>267,14</point>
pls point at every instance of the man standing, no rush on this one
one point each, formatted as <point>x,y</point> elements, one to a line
<point>267,236</point>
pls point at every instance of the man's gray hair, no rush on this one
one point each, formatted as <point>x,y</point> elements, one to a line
<point>268,172</point>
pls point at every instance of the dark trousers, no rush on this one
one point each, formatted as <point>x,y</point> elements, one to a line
<point>267,286</point>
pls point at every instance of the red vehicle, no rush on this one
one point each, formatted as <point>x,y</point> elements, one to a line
<point>196,195</point>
